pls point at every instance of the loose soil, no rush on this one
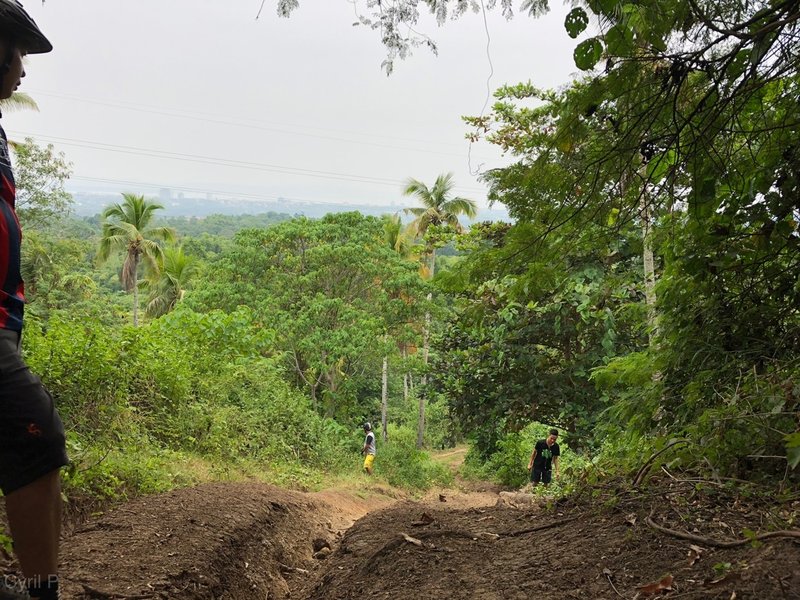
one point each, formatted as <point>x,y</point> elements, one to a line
<point>249,540</point>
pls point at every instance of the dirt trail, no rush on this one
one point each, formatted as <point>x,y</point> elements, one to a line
<point>249,540</point>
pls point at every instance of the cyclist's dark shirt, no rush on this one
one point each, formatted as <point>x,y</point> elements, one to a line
<point>12,292</point>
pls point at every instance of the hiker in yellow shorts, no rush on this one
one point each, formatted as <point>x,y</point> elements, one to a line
<point>369,448</point>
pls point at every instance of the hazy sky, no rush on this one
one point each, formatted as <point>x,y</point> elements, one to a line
<point>200,96</point>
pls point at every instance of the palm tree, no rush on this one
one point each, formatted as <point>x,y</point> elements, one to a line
<point>168,284</point>
<point>126,228</point>
<point>438,208</point>
<point>398,237</point>
<point>19,101</point>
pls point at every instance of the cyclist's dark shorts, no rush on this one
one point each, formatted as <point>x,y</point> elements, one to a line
<point>542,475</point>
<point>31,432</point>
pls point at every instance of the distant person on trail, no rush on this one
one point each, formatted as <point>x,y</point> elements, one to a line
<point>369,448</point>
<point>544,457</point>
<point>31,434</point>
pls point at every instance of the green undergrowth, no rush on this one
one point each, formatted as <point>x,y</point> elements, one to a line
<point>156,407</point>
<point>508,465</point>
<point>402,465</point>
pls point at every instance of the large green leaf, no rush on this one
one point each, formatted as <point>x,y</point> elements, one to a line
<point>576,22</point>
<point>618,39</point>
<point>793,449</point>
<point>588,53</point>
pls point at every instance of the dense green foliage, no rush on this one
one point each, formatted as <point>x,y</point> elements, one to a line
<point>332,291</point>
<point>225,226</point>
<point>647,290</point>
<point>683,150</point>
<point>507,464</point>
<point>402,464</point>
<point>207,386</point>
<point>40,174</point>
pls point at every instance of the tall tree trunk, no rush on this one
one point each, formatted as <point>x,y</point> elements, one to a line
<point>405,375</point>
<point>314,398</point>
<point>425,351</point>
<point>649,265</point>
<point>385,396</point>
<point>136,290</point>
<point>333,384</point>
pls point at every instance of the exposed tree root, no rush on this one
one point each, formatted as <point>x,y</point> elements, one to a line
<point>646,466</point>
<point>404,539</point>
<point>540,527</point>
<point>718,543</point>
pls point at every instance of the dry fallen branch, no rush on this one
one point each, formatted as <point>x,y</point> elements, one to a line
<point>412,540</point>
<point>725,543</point>
<point>288,569</point>
<point>419,541</point>
<point>539,527</point>
<point>607,572</point>
<point>646,466</point>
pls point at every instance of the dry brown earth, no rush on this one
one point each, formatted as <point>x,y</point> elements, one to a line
<point>237,541</point>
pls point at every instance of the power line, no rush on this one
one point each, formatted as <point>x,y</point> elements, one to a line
<point>199,159</point>
<point>254,124</point>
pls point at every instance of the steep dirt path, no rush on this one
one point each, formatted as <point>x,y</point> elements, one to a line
<point>212,541</point>
<point>237,541</point>
<point>249,540</point>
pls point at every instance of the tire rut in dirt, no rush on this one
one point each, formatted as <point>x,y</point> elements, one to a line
<point>227,541</point>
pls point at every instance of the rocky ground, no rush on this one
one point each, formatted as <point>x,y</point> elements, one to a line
<point>666,538</point>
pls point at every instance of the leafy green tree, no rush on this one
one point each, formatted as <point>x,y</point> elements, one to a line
<point>689,131</point>
<point>57,273</point>
<point>168,282</point>
<point>529,324</point>
<point>398,236</point>
<point>438,209</point>
<point>127,227</point>
<point>40,174</point>
<point>332,290</point>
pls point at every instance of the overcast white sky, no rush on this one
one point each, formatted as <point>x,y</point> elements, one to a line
<point>199,96</point>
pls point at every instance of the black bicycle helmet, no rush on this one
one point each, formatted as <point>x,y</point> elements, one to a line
<point>17,25</point>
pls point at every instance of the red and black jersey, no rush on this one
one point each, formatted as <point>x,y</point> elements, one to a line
<point>12,292</point>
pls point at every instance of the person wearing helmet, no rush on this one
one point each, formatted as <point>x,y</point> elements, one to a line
<point>369,448</point>
<point>32,448</point>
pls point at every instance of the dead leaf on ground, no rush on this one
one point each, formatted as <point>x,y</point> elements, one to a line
<point>663,585</point>
<point>695,552</point>
<point>631,519</point>
<point>442,498</point>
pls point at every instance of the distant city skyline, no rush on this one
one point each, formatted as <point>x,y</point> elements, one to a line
<point>90,204</point>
